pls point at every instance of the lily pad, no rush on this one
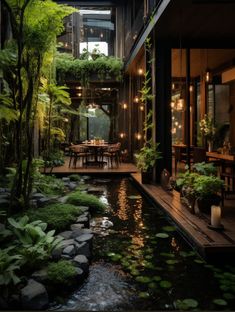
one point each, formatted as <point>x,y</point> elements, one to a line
<point>157,278</point>
<point>169,228</point>
<point>143,295</point>
<point>152,285</point>
<point>186,304</point>
<point>134,197</point>
<point>162,235</point>
<point>143,279</point>
<point>191,303</point>
<point>199,261</point>
<point>172,261</point>
<point>220,302</point>
<point>165,284</point>
<point>168,255</point>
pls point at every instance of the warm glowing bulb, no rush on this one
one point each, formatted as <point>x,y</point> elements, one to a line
<point>122,135</point>
<point>172,104</point>
<point>136,99</point>
<point>180,104</point>
<point>124,106</point>
<point>173,130</point>
<point>180,126</point>
<point>140,71</point>
<point>207,76</point>
<point>142,108</point>
<point>176,123</point>
<point>79,94</point>
<point>79,88</point>
<point>138,136</point>
<point>191,88</point>
<point>66,120</point>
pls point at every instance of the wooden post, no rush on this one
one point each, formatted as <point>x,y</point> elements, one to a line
<point>162,106</point>
<point>187,95</point>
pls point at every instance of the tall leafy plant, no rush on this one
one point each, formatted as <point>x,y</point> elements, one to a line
<point>34,24</point>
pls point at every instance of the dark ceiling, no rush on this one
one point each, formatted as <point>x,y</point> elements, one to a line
<point>199,23</point>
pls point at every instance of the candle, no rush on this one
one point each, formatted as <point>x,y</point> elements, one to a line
<point>216,216</point>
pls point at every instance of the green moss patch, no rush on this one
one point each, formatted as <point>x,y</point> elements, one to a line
<point>83,199</point>
<point>63,273</point>
<point>57,216</point>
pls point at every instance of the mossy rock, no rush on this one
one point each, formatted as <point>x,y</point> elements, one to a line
<point>83,199</point>
<point>62,273</point>
<point>74,177</point>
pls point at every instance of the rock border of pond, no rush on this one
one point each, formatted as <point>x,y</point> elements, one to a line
<point>76,247</point>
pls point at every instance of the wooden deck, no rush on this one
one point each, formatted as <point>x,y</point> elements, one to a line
<point>210,244</point>
<point>124,168</point>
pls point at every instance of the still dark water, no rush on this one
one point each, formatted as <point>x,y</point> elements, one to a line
<point>142,263</point>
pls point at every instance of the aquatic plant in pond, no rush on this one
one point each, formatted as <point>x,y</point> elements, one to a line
<point>162,272</point>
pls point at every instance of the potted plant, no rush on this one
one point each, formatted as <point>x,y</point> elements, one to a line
<point>146,160</point>
<point>206,189</point>
<point>208,129</point>
<point>201,186</point>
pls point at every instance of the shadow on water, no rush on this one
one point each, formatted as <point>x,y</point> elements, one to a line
<point>141,262</point>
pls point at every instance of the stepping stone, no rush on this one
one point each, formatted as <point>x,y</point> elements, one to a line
<point>66,234</point>
<point>34,296</point>
<point>84,238</point>
<point>66,243</point>
<point>63,199</point>
<point>82,262</point>
<point>84,249</point>
<point>76,226</point>
<point>79,271</point>
<point>95,190</point>
<point>69,251</point>
<point>77,232</point>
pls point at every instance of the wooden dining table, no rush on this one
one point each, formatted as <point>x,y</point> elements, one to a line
<point>95,147</point>
<point>229,157</point>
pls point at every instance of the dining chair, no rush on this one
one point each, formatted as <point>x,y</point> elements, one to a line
<point>112,154</point>
<point>79,152</point>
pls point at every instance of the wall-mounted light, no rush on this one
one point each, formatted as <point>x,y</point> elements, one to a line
<point>79,94</point>
<point>140,71</point>
<point>173,86</point>
<point>124,106</point>
<point>207,75</point>
<point>136,99</point>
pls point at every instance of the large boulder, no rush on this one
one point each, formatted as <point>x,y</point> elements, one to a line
<point>34,296</point>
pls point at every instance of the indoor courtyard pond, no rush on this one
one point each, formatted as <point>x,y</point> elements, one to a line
<point>141,262</point>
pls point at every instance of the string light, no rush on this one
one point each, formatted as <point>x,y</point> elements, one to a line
<point>138,136</point>
<point>122,135</point>
<point>142,108</point>
<point>136,99</point>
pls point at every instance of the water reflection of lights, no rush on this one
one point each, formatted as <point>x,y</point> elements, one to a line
<point>174,244</point>
<point>122,201</point>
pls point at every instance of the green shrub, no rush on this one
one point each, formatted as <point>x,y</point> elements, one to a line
<point>84,199</point>
<point>75,177</point>
<point>33,242</point>
<point>57,216</point>
<point>48,184</point>
<point>63,273</point>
